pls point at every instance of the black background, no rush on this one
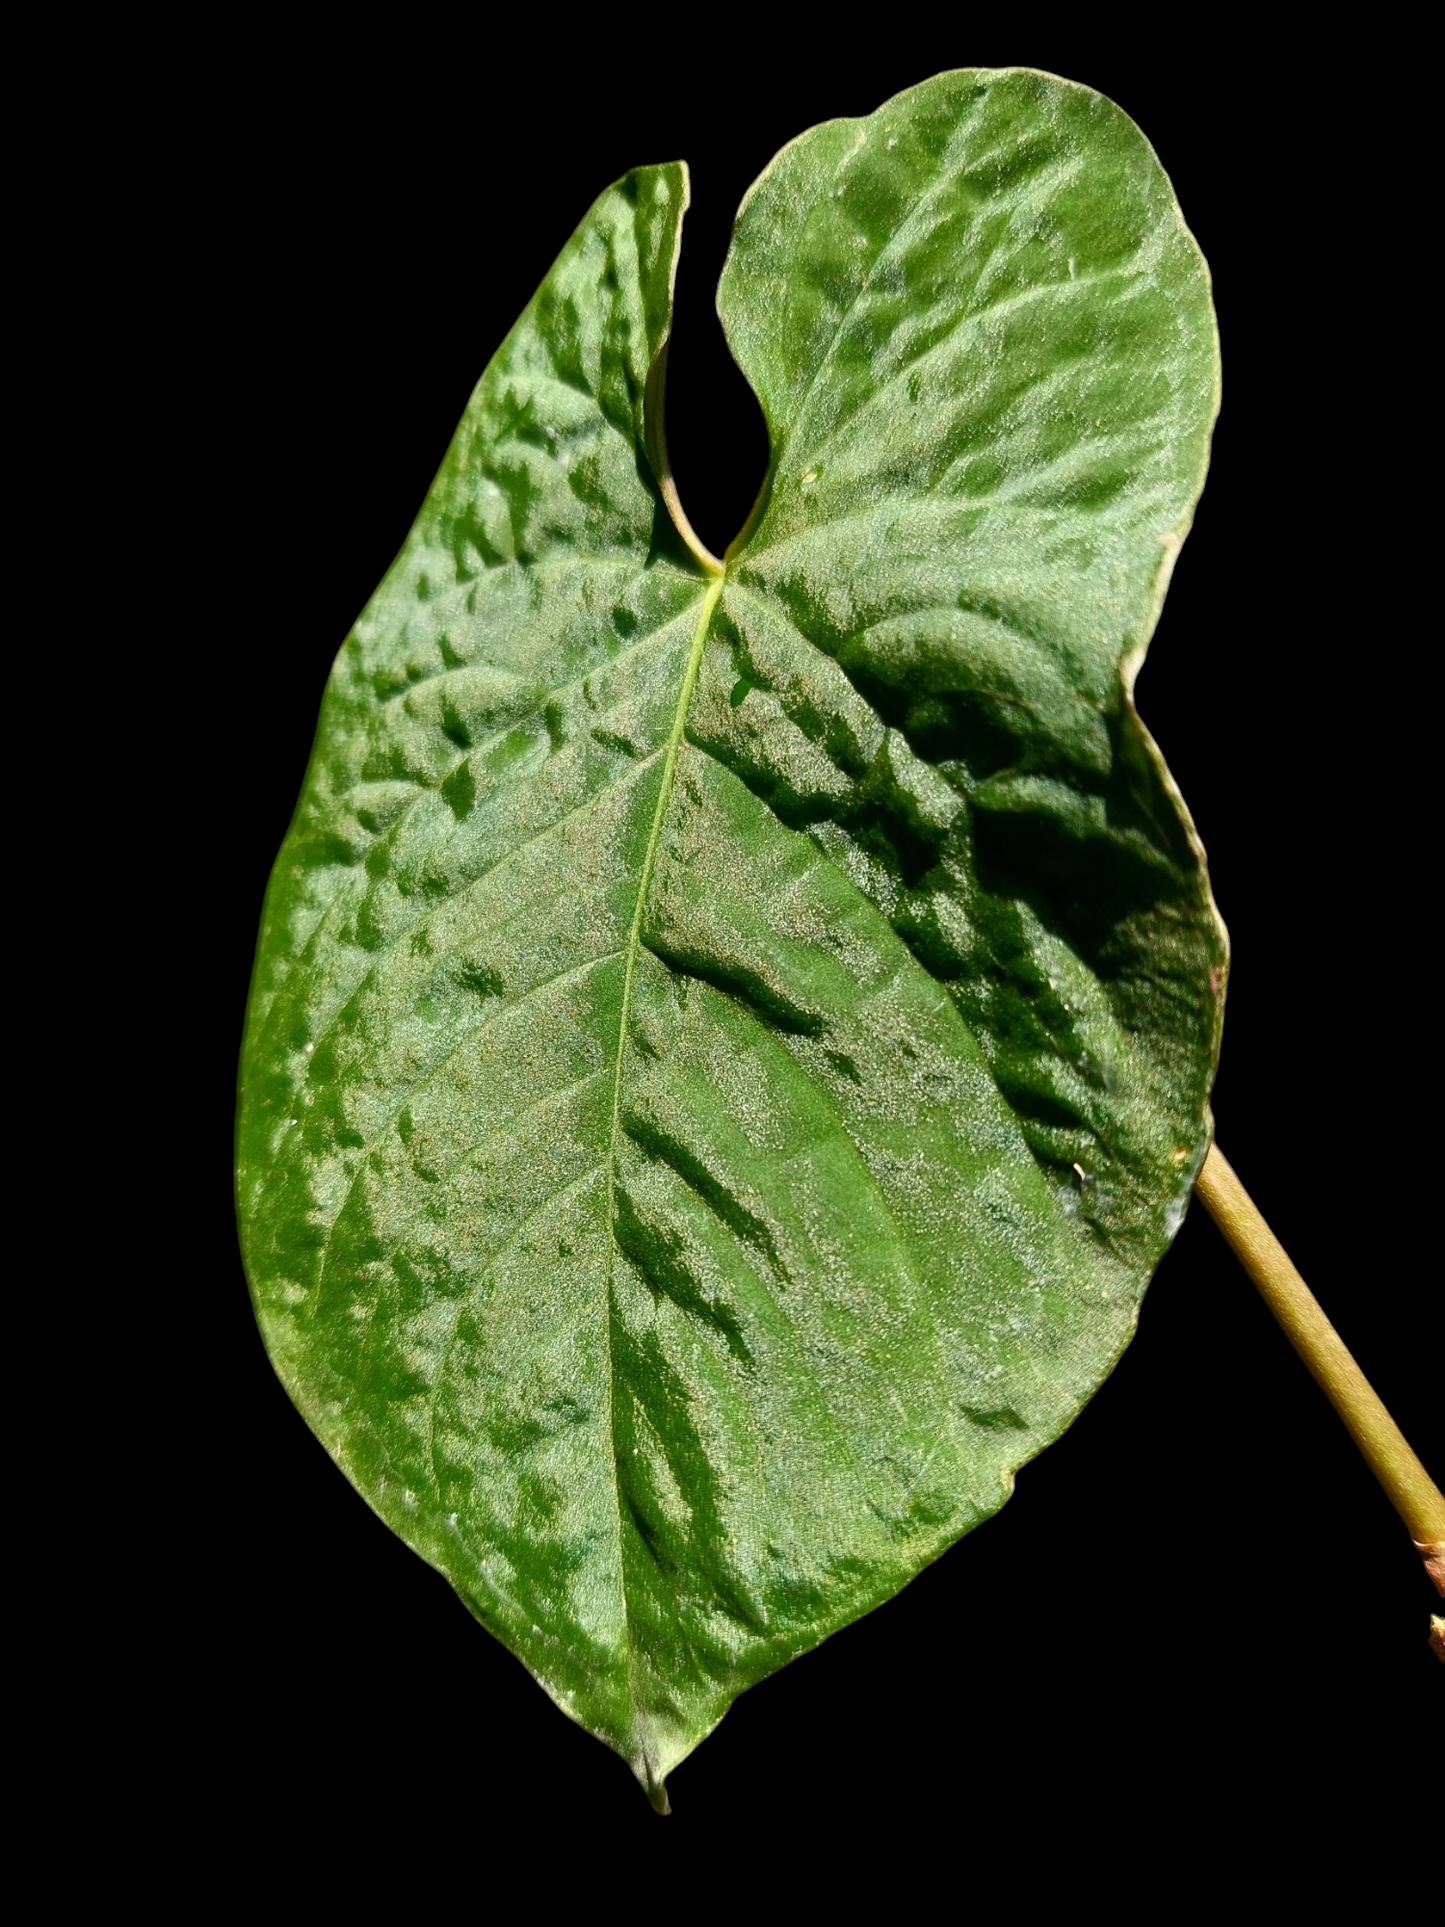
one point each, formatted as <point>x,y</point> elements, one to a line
<point>1197,1606</point>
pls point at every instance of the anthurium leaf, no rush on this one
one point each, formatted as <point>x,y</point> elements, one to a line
<point>729,1046</point>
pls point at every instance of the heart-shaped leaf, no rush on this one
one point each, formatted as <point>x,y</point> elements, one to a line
<point>730,1043</point>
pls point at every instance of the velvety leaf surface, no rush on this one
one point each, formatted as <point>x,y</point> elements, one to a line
<point>727,1050</point>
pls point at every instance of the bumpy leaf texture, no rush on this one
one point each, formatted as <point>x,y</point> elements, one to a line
<point>731,1042</point>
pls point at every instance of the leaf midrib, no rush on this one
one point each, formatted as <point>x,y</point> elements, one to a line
<point>629,971</point>
<point>649,864</point>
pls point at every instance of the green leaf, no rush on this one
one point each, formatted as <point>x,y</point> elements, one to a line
<point>729,1046</point>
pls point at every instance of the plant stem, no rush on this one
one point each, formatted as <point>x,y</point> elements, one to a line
<point>1408,1486</point>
